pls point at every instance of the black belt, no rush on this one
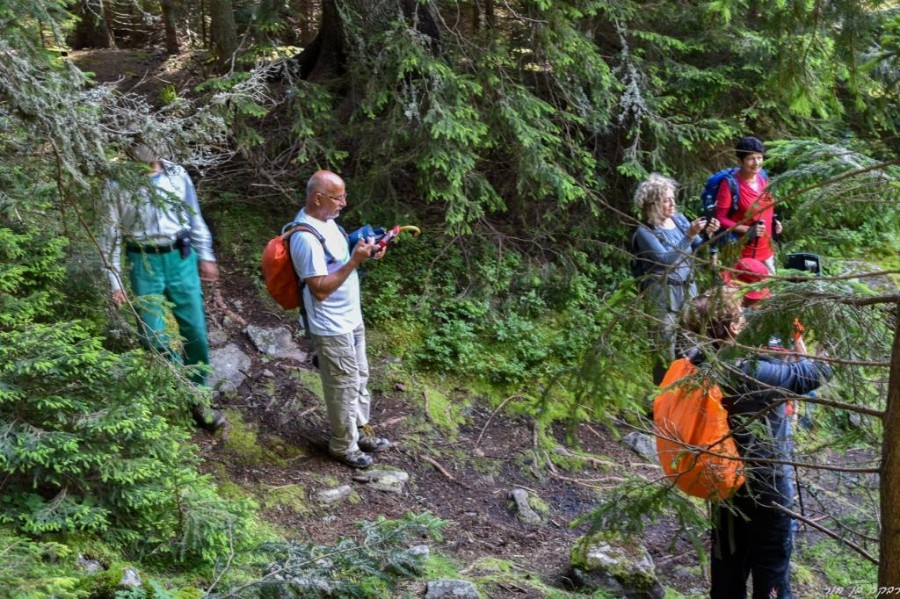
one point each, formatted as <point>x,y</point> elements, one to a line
<point>676,283</point>
<point>152,249</point>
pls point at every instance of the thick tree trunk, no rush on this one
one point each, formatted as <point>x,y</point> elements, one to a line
<point>109,18</point>
<point>92,30</point>
<point>306,17</point>
<point>889,559</point>
<point>168,10</point>
<point>324,56</point>
<point>328,54</point>
<point>222,32</point>
<point>490,19</point>
<point>203,37</point>
<point>489,16</point>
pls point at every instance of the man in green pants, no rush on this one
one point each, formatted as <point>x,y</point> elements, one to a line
<point>169,251</point>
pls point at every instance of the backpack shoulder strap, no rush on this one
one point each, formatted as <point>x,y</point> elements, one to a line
<point>295,227</point>
<point>735,189</point>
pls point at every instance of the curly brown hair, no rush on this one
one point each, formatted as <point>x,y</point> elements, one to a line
<point>713,313</point>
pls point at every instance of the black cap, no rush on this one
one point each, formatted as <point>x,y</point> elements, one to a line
<point>749,145</point>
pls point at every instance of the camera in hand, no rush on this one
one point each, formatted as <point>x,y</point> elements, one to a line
<point>366,232</point>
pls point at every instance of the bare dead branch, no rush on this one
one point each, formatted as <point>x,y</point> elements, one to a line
<point>828,532</point>
<point>438,467</point>
<point>494,413</point>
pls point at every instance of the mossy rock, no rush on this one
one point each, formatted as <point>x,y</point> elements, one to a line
<point>105,583</point>
<point>247,447</point>
<point>291,498</point>
<point>615,563</point>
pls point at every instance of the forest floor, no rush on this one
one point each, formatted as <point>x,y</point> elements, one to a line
<point>462,473</point>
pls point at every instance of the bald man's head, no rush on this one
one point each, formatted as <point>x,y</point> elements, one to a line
<point>322,182</point>
<point>325,195</point>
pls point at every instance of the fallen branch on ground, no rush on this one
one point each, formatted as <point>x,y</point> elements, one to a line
<point>494,413</point>
<point>438,467</point>
<point>595,461</point>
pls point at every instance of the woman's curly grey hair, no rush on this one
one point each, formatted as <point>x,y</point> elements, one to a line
<point>649,195</point>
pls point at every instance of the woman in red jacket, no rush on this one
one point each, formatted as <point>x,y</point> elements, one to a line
<point>754,218</point>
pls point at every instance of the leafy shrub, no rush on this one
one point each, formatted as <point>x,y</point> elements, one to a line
<point>35,569</point>
<point>504,319</point>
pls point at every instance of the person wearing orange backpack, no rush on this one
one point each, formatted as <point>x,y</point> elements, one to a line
<point>752,215</point>
<point>327,267</point>
<point>751,535</point>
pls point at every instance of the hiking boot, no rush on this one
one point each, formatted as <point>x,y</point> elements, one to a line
<point>208,419</point>
<point>369,442</point>
<point>373,444</point>
<point>355,459</point>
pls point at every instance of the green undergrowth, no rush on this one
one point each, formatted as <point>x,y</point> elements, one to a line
<point>839,566</point>
<point>241,231</point>
<point>246,446</point>
<point>496,321</point>
<point>443,402</point>
<point>311,381</point>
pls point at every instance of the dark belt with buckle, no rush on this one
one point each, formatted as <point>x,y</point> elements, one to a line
<point>152,249</point>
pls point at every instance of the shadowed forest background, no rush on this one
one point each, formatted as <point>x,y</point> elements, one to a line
<point>509,341</point>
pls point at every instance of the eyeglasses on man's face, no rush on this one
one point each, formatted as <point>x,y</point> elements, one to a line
<point>339,198</point>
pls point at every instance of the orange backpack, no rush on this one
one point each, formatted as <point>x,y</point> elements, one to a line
<point>278,270</point>
<point>693,440</point>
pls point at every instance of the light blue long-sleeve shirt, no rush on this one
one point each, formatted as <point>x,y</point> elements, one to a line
<point>153,215</point>
<point>667,258</point>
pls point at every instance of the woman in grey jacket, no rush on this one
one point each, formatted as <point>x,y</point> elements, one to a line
<point>664,245</point>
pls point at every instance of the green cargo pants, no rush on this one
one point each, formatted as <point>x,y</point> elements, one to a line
<point>160,278</point>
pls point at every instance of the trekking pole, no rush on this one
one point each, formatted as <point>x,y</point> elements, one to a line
<point>799,329</point>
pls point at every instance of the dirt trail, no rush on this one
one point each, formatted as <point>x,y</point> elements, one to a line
<point>451,474</point>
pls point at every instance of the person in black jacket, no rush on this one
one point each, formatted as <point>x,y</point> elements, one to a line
<point>750,533</point>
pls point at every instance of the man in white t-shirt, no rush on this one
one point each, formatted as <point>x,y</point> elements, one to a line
<point>334,317</point>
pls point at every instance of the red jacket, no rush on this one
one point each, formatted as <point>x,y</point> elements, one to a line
<point>754,203</point>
